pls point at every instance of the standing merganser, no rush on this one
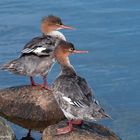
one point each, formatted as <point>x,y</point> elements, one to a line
<point>72,92</point>
<point>37,56</point>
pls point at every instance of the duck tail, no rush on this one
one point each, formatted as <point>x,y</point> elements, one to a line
<point>104,114</point>
<point>101,111</point>
<point>8,66</point>
<point>3,67</point>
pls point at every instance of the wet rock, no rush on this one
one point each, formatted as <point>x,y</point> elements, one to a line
<point>6,133</point>
<point>28,124</point>
<point>88,131</point>
<point>31,104</point>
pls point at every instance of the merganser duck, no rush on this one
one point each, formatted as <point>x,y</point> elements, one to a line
<point>72,92</point>
<point>37,56</point>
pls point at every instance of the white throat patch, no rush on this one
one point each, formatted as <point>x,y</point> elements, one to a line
<point>57,34</point>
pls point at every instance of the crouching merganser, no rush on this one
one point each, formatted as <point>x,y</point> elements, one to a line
<point>72,92</point>
<point>37,56</point>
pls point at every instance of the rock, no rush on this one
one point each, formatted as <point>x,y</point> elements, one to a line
<point>35,108</point>
<point>28,124</point>
<point>88,131</point>
<point>31,104</point>
<point>6,133</point>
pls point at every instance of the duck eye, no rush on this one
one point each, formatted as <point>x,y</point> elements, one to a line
<point>59,23</point>
<point>71,49</point>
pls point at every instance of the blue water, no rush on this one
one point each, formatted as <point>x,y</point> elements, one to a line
<point>109,29</point>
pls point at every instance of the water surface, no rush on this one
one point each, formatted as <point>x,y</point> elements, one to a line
<point>109,29</point>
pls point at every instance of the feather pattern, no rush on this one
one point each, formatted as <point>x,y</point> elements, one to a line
<point>41,45</point>
<point>37,57</point>
<point>76,99</point>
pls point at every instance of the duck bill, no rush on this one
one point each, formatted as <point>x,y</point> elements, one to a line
<point>66,27</point>
<point>79,51</point>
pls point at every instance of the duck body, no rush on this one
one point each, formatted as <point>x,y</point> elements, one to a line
<point>30,65</point>
<point>36,59</point>
<point>76,99</point>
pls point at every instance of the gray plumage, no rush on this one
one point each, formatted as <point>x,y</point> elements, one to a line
<point>41,46</point>
<point>30,65</point>
<point>75,97</point>
<point>36,59</point>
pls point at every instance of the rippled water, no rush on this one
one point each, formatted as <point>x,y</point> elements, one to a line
<point>109,29</point>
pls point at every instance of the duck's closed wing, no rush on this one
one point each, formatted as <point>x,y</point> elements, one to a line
<point>71,91</point>
<point>82,83</point>
<point>73,95</point>
<point>41,46</point>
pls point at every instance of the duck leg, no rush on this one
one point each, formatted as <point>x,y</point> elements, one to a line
<point>66,129</point>
<point>77,122</point>
<point>32,81</point>
<point>45,84</point>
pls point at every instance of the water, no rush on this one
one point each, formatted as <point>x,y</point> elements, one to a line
<point>109,29</point>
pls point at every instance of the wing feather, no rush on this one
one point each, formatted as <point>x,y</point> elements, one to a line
<point>75,94</point>
<point>41,45</point>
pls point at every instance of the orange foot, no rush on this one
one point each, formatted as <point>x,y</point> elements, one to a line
<point>45,87</point>
<point>68,128</point>
<point>65,130</point>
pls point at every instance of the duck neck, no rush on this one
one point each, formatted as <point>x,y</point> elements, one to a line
<point>66,67</point>
<point>45,29</point>
<point>48,33</point>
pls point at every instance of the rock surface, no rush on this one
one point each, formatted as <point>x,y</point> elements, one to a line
<point>31,104</point>
<point>33,108</point>
<point>88,131</point>
<point>6,133</point>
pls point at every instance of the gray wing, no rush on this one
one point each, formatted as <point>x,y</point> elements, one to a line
<point>41,46</point>
<point>78,93</point>
<point>89,94</point>
<point>84,87</point>
<point>74,93</point>
<point>73,100</point>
